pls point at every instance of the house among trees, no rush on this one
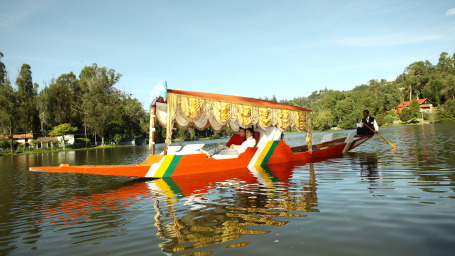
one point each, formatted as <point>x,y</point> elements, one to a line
<point>426,106</point>
<point>25,138</point>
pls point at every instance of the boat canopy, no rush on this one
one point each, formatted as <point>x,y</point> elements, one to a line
<point>201,110</point>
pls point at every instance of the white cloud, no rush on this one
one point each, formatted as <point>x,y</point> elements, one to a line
<point>450,12</point>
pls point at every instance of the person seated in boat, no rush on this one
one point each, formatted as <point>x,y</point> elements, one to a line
<point>248,142</point>
<point>368,120</point>
<point>236,139</point>
<point>238,149</point>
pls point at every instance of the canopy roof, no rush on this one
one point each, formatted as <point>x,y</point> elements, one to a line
<point>201,110</point>
<point>238,99</point>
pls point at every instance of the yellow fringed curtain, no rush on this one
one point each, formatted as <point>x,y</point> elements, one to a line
<point>201,112</point>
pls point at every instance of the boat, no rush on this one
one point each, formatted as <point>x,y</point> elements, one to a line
<point>194,212</point>
<point>201,110</point>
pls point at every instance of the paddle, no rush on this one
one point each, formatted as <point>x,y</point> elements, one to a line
<point>390,143</point>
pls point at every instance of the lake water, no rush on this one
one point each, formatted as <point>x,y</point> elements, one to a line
<point>373,201</point>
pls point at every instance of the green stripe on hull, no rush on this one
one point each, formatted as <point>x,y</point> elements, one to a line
<point>175,161</point>
<point>270,153</point>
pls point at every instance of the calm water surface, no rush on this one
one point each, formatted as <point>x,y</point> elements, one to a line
<point>374,201</point>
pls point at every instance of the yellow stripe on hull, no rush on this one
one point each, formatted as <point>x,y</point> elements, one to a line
<point>164,166</point>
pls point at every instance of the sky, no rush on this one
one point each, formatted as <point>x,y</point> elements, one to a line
<point>251,48</point>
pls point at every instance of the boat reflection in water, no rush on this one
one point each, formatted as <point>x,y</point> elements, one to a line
<point>253,199</point>
<point>193,211</point>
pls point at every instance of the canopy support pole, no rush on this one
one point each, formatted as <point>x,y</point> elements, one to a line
<point>152,129</point>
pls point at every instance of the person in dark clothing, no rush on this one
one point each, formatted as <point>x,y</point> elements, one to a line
<point>362,130</point>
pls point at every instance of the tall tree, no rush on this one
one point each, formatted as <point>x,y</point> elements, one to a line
<point>417,73</point>
<point>415,109</point>
<point>98,97</point>
<point>446,64</point>
<point>26,95</point>
<point>8,111</point>
<point>3,74</point>
<point>448,90</point>
<point>57,103</point>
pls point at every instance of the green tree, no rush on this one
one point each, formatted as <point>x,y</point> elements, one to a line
<point>414,107</point>
<point>8,111</point>
<point>446,65</point>
<point>26,95</point>
<point>389,117</point>
<point>117,138</point>
<point>405,115</point>
<point>323,120</point>
<point>98,98</point>
<point>448,90</point>
<point>63,130</point>
<point>417,77</point>
<point>58,103</point>
<point>3,74</point>
<point>432,91</point>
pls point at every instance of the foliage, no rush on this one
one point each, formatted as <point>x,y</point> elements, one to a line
<point>26,96</point>
<point>91,102</point>
<point>8,111</point>
<point>4,144</point>
<point>414,108</point>
<point>62,130</point>
<point>98,98</point>
<point>117,138</point>
<point>3,74</point>
<point>420,80</point>
<point>447,112</point>
<point>405,115</point>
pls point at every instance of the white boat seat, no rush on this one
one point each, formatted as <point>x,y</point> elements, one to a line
<point>190,149</point>
<point>173,149</point>
<point>224,156</point>
<point>327,137</point>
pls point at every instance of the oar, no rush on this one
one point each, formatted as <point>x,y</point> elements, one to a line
<point>390,143</point>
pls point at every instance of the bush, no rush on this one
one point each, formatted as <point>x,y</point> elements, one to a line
<point>4,144</point>
<point>81,143</point>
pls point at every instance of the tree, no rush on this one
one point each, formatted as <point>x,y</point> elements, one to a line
<point>26,95</point>
<point>405,115</point>
<point>8,111</point>
<point>417,77</point>
<point>414,107</point>
<point>117,138</point>
<point>63,130</point>
<point>323,120</point>
<point>446,64</point>
<point>448,90</point>
<point>57,103</point>
<point>98,97</point>
<point>3,74</point>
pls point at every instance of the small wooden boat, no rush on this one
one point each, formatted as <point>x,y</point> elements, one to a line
<point>202,110</point>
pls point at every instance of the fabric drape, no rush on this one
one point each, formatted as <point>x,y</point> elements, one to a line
<point>186,110</point>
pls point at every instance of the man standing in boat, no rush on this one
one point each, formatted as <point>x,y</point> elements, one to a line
<point>370,122</point>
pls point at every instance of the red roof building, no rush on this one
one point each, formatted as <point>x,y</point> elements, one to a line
<point>426,106</point>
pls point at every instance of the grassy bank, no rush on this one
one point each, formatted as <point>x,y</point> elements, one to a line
<point>7,152</point>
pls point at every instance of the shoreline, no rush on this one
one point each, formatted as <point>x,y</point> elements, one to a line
<point>54,150</point>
